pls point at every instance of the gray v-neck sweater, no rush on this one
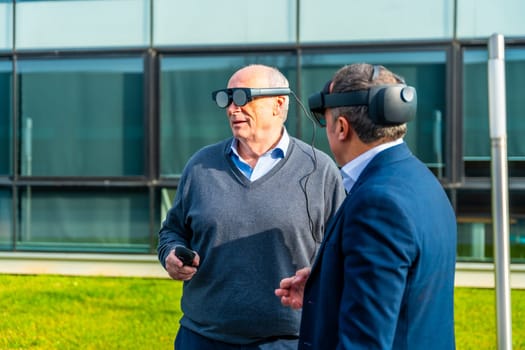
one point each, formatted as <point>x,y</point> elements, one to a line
<point>249,236</point>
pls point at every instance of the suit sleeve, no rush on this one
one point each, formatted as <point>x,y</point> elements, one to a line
<point>378,248</point>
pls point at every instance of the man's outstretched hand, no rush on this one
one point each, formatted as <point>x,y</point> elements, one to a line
<point>291,289</point>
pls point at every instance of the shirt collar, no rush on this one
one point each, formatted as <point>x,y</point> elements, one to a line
<point>279,151</point>
<point>351,170</point>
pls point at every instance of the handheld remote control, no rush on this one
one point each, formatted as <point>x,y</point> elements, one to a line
<point>185,255</point>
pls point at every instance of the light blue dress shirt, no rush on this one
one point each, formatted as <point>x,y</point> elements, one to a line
<point>266,161</point>
<point>351,170</point>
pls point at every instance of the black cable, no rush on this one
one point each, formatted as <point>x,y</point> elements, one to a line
<point>307,177</point>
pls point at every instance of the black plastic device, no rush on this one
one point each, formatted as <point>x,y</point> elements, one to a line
<point>185,255</point>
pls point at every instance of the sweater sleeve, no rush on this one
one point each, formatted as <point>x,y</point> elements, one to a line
<point>173,231</point>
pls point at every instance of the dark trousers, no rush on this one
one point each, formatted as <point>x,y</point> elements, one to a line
<point>189,340</point>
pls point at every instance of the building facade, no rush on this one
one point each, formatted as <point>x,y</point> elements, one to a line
<point>103,101</point>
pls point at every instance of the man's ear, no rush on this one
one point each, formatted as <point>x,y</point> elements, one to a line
<point>279,103</point>
<point>342,128</point>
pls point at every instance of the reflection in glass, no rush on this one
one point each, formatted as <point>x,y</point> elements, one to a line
<point>167,195</point>
<point>6,227</point>
<point>176,22</point>
<point>6,25</point>
<point>476,147</point>
<point>426,71</point>
<point>476,133</point>
<point>82,23</point>
<point>81,117</point>
<point>475,231</point>
<point>328,21</point>
<point>480,19</point>
<point>189,119</point>
<point>5,117</point>
<point>101,220</point>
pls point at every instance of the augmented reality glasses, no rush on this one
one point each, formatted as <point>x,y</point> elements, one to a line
<point>387,104</point>
<point>241,96</point>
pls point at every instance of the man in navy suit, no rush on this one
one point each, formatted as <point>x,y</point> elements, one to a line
<point>384,275</point>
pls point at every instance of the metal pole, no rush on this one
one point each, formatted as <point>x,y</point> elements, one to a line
<point>500,206</point>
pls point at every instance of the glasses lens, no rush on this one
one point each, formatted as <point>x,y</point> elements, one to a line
<point>222,99</point>
<point>239,97</point>
<point>319,116</point>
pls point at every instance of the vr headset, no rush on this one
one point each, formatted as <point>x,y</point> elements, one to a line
<point>387,104</point>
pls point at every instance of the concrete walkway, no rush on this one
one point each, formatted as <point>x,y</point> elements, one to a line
<point>479,275</point>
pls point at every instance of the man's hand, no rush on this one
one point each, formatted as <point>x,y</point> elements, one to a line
<point>177,270</point>
<point>291,289</point>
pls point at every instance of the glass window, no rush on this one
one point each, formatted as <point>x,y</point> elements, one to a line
<point>5,117</point>
<point>476,133</point>
<point>426,71</point>
<point>475,230</point>
<point>6,219</point>
<point>482,18</point>
<point>82,23</point>
<point>6,25</point>
<point>82,117</point>
<point>189,119</point>
<point>84,220</point>
<point>230,22</point>
<point>343,20</point>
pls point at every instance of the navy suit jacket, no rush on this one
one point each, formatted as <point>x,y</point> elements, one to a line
<point>384,275</point>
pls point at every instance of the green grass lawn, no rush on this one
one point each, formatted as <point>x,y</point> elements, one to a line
<point>60,312</point>
<point>475,318</point>
<point>56,312</point>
